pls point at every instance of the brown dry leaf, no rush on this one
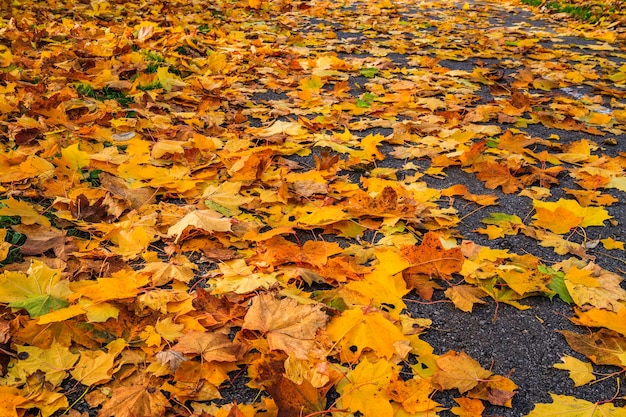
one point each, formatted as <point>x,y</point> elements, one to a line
<point>213,347</point>
<point>603,347</point>
<point>132,401</point>
<point>39,239</point>
<point>465,296</point>
<point>296,399</point>
<point>288,326</point>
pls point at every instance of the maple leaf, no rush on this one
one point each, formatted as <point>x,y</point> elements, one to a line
<point>294,399</point>
<point>356,331</point>
<point>497,390</point>
<point>132,401</point>
<point>468,407</point>
<point>365,388</point>
<point>213,347</point>
<point>415,395</point>
<point>39,292</point>
<point>580,372</point>
<point>11,400</point>
<point>122,284</point>
<point>161,273</point>
<point>564,406</point>
<point>54,362</point>
<point>431,258</point>
<point>595,317</point>
<point>458,370</point>
<point>288,326</point>
<point>561,216</point>
<point>24,210</point>
<point>208,221</point>
<point>465,296</point>
<point>604,347</point>
<point>46,401</point>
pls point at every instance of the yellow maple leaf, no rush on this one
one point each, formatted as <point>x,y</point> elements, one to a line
<point>562,215</point>
<point>468,407</point>
<point>169,330</point>
<point>458,370</point>
<point>356,331</point>
<point>74,158</point>
<point>93,367</point>
<point>207,220</point>
<point>25,211</point>
<point>121,284</point>
<point>595,317</point>
<point>580,372</point>
<point>131,242</point>
<point>610,243</point>
<point>364,389</point>
<point>565,406</point>
<point>179,269</point>
<point>54,362</point>
<point>39,292</point>
<point>465,296</point>
<point>225,198</point>
<point>168,80</point>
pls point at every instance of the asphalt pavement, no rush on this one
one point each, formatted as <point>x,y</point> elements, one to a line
<point>523,344</point>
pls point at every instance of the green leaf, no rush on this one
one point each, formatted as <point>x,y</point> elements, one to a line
<point>40,305</point>
<point>369,72</point>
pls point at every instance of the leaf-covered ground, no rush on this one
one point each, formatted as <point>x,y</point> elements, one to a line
<point>308,208</point>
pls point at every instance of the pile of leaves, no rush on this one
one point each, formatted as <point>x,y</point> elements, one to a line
<point>199,193</point>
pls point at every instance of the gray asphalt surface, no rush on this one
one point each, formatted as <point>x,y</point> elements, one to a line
<point>525,344</point>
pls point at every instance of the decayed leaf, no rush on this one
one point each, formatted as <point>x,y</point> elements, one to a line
<point>497,390</point>
<point>288,326</point>
<point>580,372</point>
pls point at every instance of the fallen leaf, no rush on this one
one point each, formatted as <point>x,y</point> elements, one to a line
<point>580,372</point>
<point>288,326</point>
